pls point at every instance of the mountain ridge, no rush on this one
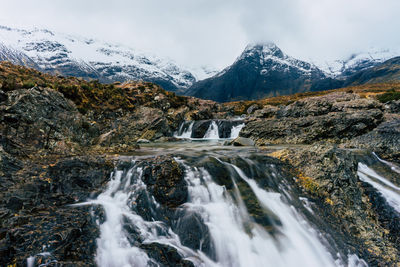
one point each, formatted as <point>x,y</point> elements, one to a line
<point>90,59</point>
<point>264,70</point>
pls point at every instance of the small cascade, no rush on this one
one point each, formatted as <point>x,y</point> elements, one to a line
<point>390,191</point>
<point>185,130</point>
<point>212,131</point>
<point>209,129</point>
<point>236,130</point>
<point>227,220</point>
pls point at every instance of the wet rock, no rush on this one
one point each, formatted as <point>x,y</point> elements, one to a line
<point>193,233</point>
<point>76,177</point>
<point>165,255</point>
<point>260,215</point>
<point>242,141</point>
<point>3,96</point>
<point>37,216</point>
<point>15,204</point>
<point>385,140</point>
<point>218,170</point>
<point>142,141</point>
<point>165,180</point>
<point>225,127</point>
<point>200,128</point>
<point>328,175</point>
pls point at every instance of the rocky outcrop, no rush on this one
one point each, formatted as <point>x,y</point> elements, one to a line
<point>35,211</point>
<point>385,140</point>
<point>329,176</point>
<point>336,117</point>
<point>42,118</point>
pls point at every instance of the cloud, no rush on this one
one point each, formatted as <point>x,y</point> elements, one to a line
<point>213,32</point>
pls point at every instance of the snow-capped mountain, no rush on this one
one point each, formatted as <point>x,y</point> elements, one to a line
<point>261,70</point>
<point>83,57</point>
<point>356,62</point>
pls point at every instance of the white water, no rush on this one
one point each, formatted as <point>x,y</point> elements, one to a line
<point>299,245</point>
<point>185,134</point>
<point>392,166</point>
<point>113,246</point>
<point>30,262</point>
<point>236,130</point>
<point>237,239</point>
<point>390,191</point>
<point>212,131</point>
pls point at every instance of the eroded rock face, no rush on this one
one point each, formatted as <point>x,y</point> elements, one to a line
<point>41,118</point>
<point>335,116</point>
<point>329,176</point>
<point>36,212</point>
<point>385,140</point>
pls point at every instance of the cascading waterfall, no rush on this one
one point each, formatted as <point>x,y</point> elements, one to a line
<point>236,239</point>
<point>212,131</point>
<point>236,130</point>
<point>390,191</point>
<point>234,246</point>
<point>209,129</point>
<point>185,133</point>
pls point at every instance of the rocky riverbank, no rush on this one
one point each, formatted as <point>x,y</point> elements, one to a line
<point>341,118</point>
<point>58,148</point>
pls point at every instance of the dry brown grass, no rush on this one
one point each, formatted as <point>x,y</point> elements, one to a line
<point>87,95</point>
<point>365,91</point>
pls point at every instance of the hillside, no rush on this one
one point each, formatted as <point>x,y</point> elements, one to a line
<point>87,58</point>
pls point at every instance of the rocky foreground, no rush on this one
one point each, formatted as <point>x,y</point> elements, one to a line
<point>62,137</point>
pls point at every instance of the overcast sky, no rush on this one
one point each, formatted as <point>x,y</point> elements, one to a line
<point>214,32</point>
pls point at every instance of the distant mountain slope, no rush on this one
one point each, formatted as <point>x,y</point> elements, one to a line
<point>81,57</point>
<point>384,72</point>
<point>357,62</point>
<point>262,70</point>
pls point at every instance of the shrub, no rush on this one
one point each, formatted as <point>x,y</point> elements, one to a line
<point>389,96</point>
<point>28,84</point>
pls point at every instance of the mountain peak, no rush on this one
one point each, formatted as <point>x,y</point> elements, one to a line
<point>262,50</point>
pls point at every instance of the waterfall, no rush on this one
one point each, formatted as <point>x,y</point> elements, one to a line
<point>209,129</point>
<point>212,131</point>
<point>230,235</point>
<point>185,132</point>
<point>236,130</point>
<point>392,166</point>
<point>298,246</point>
<point>390,191</point>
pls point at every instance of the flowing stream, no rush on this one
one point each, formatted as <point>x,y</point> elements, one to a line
<point>210,129</point>
<point>241,211</point>
<point>386,188</point>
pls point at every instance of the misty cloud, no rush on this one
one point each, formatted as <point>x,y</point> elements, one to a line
<point>214,32</point>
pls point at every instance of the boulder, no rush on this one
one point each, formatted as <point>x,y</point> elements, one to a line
<point>165,180</point>
<point>242,141</point>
